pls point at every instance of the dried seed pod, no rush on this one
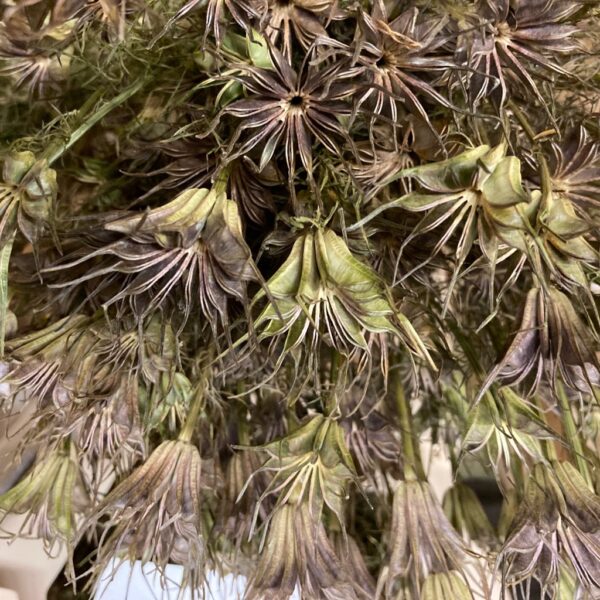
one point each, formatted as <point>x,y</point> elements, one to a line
<point>552,338</point>
<point>557,522</point>
<point>289,109</point>
<point>155,514</point>
<point>440,586</point>
<point>244,481</point>
<point>466,514</point>
<point>77,359</point>
<point>188,254</point>
<point>27,194</point>
<point>574,166</point>
<point>506,426</point>
<point>28,191</point>
<point>109,428</point>
<point>477,195</point>
<point>323,291</point>
<point>310,465</point>
<point>394,55</point>
<point>52,495</point>
<point>372,442</point>
<point>566,252</point>
<point>352,558</point>
<point>42,362</point>
<point>510,37</point>
<point>298,552</point>
<point>422,540</point>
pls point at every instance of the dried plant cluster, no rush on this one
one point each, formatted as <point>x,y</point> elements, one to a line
<point>254,252</point>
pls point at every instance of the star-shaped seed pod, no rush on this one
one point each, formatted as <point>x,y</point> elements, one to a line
<point>393,56</point>
<point>67,364</point>
<point>322,293</point>
<point>290,110</point>
<point>574,165</point>
<point>188,254</point>
<point>41,361</point>
<point>503,38</point>
<point>505,426</point>
<point>27,192</point>
<point>556,522</point>
<point>552,339</point>
<point>311,465</point>
<point>561,242</point>
<point>36,45</point>
<point>107,428</point>
<point>476,195</point>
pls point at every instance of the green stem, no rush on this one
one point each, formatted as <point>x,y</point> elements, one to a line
<point>187,430</point>
<point>242,423</point>
<point>551,453</point>
<point>331,403</point>
<point>56,150</point>
<point>571,433</point>
<point>413,467</point>
<point>546,200</point>
<point>220,181</point>
<point>524,122</point>
<point>243,430</point>
<point>548,445</point>
<point>5,252</point>
<point>545,180</point>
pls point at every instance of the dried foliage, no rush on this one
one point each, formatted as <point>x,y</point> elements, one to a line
<point>253,252</point>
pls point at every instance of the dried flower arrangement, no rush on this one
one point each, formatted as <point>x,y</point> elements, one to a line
<point>252,253</point>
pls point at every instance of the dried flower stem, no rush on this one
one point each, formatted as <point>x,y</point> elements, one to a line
<point>545,180</point>
<point>571,433</point>
<point>5,252</point>
<point>57,150</point>
<point>192,417</point>
<point>243,430</point>
<point>523,121</point>
<point>331,399</point>
<point>413,466</point>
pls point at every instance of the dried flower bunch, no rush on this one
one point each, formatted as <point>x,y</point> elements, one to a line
<point>255,254</point>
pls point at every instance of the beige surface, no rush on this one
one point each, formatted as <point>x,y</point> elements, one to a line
<point>24,565</point>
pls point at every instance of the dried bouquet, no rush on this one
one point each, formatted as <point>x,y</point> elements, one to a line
<point>257,255</point>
